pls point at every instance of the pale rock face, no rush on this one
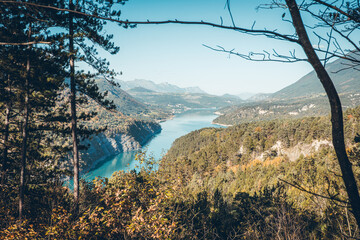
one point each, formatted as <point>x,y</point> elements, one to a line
<point>307,107</point>
<point>318,143</point>
<point>101,147</point>
<point>277,146</point>
<point>262,112</point>
<point>304,108</point>
<point>241,150</point>
<point>293,113</point>
<point>293,153</point>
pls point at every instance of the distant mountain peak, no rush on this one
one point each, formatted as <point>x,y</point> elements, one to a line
<point>140,89</point>
<point>245,95</point>
<point>226,95</point>
<point>259,97</point>
<point>164,87</point>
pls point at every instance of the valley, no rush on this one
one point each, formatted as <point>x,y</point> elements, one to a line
<point>180,120</point>
<point>156,147</point>
<point>149,101</point>
<point>138,114</point>
<point>271,158</point>
<point>276,147</point>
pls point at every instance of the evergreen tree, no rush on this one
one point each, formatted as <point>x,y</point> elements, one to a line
<point>82,30</point>
<point>33,76</point>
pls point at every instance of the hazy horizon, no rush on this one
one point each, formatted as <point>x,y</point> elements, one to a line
<point>194,86</point>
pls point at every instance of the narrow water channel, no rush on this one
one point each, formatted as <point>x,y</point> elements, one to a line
<point>172,129</point>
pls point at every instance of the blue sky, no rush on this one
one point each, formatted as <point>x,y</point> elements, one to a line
<point>175,53</point>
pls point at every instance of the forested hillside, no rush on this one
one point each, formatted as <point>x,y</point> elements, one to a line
<point>293,156</point>
<point>258,180</point>
<point>283,109</point>
<point>235,147</point>
<point>128,105</point>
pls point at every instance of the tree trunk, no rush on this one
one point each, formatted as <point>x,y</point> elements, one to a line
<point>73,110</point>
<point>25,135</point>
<point>6,136</point>
<point>336,111</point>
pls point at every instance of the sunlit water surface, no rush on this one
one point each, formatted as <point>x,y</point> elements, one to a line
<point>172,129</point>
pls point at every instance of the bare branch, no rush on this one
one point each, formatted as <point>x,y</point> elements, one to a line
<point>227,5</point>
<point>126,23</point>
<point>336,9</point>
<point>260,57</point>
<point>297,186</point>
<point>332,26</point>
<point>24,43</point>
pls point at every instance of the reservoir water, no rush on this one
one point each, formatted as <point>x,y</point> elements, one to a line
<point>172,129</point>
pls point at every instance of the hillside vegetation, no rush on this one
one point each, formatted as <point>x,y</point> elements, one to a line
<point>235,183</point>
<point>295,156</point>
<point>283,109</point>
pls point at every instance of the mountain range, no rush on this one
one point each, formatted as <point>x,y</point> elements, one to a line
<point>157,87</point>
<point>182,101</point>
<point>144,98</point>
<point>305,97</point>
<point>345,79</point>
<point>128,105</point>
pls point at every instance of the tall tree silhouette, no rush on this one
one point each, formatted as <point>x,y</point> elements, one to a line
<point>85,33</point>
<point>32,78</point>
<point>336,109</point>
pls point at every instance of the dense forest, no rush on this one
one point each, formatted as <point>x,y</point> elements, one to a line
<point>48,106</point>
<point>212,184</point>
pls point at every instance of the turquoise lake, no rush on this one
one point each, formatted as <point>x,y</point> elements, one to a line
<point>172,129</point>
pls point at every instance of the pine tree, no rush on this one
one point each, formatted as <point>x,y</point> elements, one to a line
<point>82,30</point>
<point>33,76</point>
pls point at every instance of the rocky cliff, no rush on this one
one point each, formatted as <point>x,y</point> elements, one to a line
<point>104,145</point>
<point>291,153</point>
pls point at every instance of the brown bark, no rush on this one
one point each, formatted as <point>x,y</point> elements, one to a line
<point>6,143</point>
<point>6,137</point>
<point>73,110</point>
<point>336,111</point>
<point>25,135</point>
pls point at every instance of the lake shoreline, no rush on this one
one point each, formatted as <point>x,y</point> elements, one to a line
<point>181,124</point>
<point>102,160</point>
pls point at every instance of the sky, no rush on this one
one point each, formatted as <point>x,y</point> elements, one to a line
<point>175,53</point>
